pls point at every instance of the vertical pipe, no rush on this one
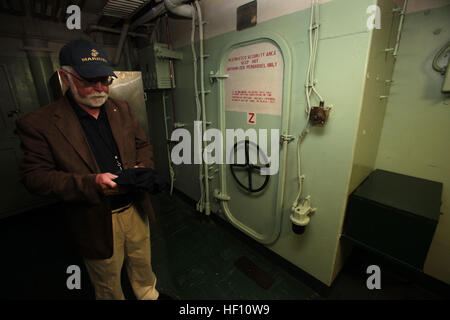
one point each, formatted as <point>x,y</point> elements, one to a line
<point>200,203</point>
<point>123,36</point>
<point>129,64</point>
<point>202,83</point>
<point>400,27</point>
<point>174,116</point>
<point>171,172</point>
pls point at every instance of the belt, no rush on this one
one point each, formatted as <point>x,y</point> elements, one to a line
<point>121,209</point>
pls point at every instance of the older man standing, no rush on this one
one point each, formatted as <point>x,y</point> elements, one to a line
<point>73,150</point>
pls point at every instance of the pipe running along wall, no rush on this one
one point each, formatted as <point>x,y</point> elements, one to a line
<point>123,36</point>
<point>202,84</point>
<point>201,201</point>
<point>93,27</point>
<point>400,28</point>
<point>178,7</point>
<point>171,172</point>
<point>301,208</point>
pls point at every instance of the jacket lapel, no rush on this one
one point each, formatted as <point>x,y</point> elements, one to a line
<point>67,122</point>
<point>115,122</point>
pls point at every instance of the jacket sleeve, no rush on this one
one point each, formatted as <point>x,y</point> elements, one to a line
<point>40,175</point>
<point>144,150</point>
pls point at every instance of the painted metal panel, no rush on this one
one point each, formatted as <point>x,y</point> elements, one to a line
<point>128,86</point>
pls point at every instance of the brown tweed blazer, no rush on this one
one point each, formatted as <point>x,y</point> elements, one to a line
<point>57,162</point>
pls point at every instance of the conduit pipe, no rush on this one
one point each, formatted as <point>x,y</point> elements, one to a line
<point>101,28</point>
<point>301,208</point>
<point>178,8</point>
<point>123,36</point>
<point>400,28</point>
<point>202,84</point>
<point>200,203</point>
<point>171,171</point>
<point>171,74</point>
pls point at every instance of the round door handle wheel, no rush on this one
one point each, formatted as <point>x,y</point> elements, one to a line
<point>250,168</point>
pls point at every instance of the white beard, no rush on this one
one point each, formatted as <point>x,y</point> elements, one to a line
<point>94,100</point>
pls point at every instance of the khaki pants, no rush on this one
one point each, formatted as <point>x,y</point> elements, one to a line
<point>131,236</point>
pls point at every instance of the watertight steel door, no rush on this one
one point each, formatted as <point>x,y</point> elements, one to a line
<point>255,101</point>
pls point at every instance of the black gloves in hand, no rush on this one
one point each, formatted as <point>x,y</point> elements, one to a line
<point>142,179</point>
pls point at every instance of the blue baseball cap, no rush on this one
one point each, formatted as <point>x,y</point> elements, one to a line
<point>87,58</point>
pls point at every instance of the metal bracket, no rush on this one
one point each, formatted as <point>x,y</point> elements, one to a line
<point>214,76</point>
<point>286,138</point>
<point>203,22</point>
<point>221,196</point>
<point>401,10</point>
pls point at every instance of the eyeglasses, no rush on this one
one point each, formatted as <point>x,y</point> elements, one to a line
<point>92,82</point>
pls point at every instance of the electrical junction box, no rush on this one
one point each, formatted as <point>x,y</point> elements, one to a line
<point>394,215</point>
<point>154,61</point>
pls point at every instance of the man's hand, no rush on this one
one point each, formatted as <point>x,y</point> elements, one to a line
<point>105,181</point>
